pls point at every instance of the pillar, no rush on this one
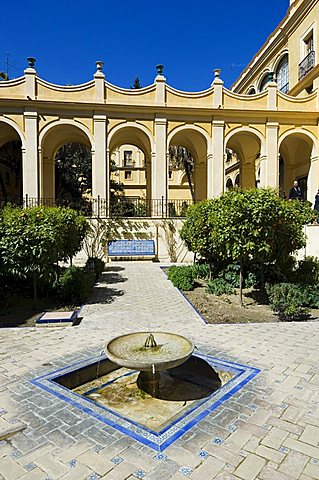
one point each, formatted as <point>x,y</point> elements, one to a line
<point>313,179</point>
<point>159,162</point>
<point>99,160</point>
<point>272,164</point>
<point>31,164</point>
<point>215,162</point>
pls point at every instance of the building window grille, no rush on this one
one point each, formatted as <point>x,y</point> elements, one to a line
<point>306,65</point>
<point>282,75</point>
<point>128,175</point>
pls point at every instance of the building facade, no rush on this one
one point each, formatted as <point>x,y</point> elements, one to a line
<point>262,132</point>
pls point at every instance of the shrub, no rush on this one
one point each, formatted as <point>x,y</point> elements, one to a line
<point>182,277</point>
<point>307,271</point>
<point>75,285</point>
<point>201,270</point>
<point>98,265</point>
<point>288,300</point>
<point>219,286</point>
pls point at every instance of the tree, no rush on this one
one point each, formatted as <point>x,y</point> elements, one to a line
<point>136,84</point>
<point>182,159</point>
<point>246,226</point>
<point>34,240</point>
<point>73,163</point>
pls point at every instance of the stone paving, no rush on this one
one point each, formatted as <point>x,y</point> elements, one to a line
<point>268,430</point>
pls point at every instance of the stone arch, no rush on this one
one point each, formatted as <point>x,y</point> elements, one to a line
<point>52,137</point>
<point>229,184</point>
<point>12,148</point>
<point>136,135</point>
<point>10,123</point>
<point>263,80</point>
<point>251,90</point>
<point>249,145</point>
<point>198,142</point>
<point>298,160</point>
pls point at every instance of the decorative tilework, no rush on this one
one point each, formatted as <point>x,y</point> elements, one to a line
<point>98,448</point>
<point>283,449</point>
<point>203,454</point>
<point>185,471</point>
<point>2,443</point>
<point>160,456</point>
<point>218,441</point>
<point>93,476</point>
<point>231,428</point>
<point>73,463</point>
<point>15,454</point>
<point>117,460</point>
<point>30,466</point>
<point>314,460</point>
<point>139,474</point>
<point>170,433</point>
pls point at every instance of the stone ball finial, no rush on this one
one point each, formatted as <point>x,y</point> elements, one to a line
<point>31,61</point>
<point>99,65</point>
<point>160,69</point>
<point>217,72</point>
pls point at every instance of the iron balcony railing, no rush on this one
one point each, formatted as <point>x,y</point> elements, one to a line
<point>306,65</point>
<point>117,207</point>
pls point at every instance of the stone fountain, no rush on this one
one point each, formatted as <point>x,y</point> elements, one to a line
<point>150,354</point>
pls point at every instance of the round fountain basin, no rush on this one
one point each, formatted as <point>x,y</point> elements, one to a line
<point>129,351</point>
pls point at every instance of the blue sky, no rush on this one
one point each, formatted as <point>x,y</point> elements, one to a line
<point>131,37</point>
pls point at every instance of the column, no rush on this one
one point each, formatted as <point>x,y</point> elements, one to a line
<point>262,166</point>
<point>159,163</point>
<point>313,179</point>
<point>272,165</point>
<point>31,165</point>
<point>99,79</point>
<point>215,162</point>
<point>99,163</point>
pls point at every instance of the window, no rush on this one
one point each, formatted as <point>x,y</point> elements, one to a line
<point>309,45</point>
<point>282,75</point>
<point>170,174</point>
<point>264,82</point>
<point>128,175</point>
<point>128,158</point>
<point>308,61</point>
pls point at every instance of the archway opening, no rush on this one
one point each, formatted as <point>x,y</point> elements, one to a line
<point>243,149</point>
<point>130,172</point>
<point>229,184</point>
<point>66,166</point>
<point>294,162</point>
<point>11,181</point>
<point>190,148</point>
<point>73,172</point>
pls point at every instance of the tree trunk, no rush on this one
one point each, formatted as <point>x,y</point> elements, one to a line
<point>189,179</point>
<point>241,278</point>
<point>35,293</point>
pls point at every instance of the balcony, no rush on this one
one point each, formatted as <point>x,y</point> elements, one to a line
<point>306,65</point>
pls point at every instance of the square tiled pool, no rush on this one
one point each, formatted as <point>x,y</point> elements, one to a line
<point>110,394</point>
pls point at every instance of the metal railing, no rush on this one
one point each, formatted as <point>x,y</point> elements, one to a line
<point>306,65</point>
<point>116,207</point>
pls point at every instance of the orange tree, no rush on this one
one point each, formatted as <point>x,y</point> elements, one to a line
<point>246,226</point>
<point>34,240</point>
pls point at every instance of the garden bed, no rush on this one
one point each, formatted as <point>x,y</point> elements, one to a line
<point>226,308</point>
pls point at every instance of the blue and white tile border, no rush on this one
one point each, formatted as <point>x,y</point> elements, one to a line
<point>158,441</point>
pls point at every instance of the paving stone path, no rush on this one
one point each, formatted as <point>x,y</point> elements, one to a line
<point>268,430</point>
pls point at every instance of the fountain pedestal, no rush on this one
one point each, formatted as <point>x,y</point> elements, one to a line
<point>150,354</point>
